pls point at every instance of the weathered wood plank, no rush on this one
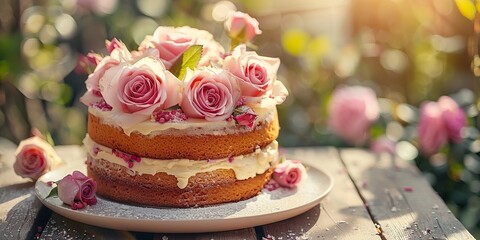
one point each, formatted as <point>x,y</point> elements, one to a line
<point>248,233</point>
<point>341,215</point>
<point>59,227</point>
<point>400,199</point>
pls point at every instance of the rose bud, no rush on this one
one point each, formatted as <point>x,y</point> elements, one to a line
<point>34,157</point>
<point>289,173</point>
<point>77,190</point>
<point>432,133</point>
<point>351,112</point>
<point>86,64</point>
<point>241,27</point>
<point>453,116</point>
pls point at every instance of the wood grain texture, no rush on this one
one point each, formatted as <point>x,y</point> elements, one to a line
<point>248,233</point>
<point>400,199</point>
<point>341,215</point>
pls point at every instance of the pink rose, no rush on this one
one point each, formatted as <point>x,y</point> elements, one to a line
<point>432,133</point>
<point>210,94</point>
<point>135,91</point>
<point>118,53</point>
<point>453,116</point>
<point>114,44</point>
<point>351,112</point>
<point>34,157</point>
<point>244,116</point>
<point>256,73</point>
<point>169,43</point>
<point>213,51</point>
<point>241,27</point>
<point>172,42</point>
<point>77,190</point>
<point>87,63</point>
<point>289,173</point>
<point>383,144</point>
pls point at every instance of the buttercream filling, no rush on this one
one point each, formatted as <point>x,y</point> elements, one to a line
<point>195,126</point>
<point>244,166</point>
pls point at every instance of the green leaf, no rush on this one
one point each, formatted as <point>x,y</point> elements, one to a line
<point>188,59</point>
<point>466,8</point>
<point>53,192</point>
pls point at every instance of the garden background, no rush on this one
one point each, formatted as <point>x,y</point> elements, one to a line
<point>407,51</point>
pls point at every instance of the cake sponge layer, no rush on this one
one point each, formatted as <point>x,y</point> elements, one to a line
<point>194,147</point>
<point>161,189</point>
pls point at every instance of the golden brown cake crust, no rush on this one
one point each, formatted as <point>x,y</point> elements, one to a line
<point>161,189</point>
<point>194,147</point>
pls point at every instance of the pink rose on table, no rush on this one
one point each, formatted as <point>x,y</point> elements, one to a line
<point>453,117</point>
<point>172,42</point>
<point>135,91</point>
<point>241,27</point>
<point>34,157</point>
<point>210,94</point>
<point>351,112</point>
<point>256,73</point>
<point>77,190</point>
<point>289,173</point>
<point>432,133</point>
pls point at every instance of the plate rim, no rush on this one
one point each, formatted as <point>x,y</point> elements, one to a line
<point>195,225</point>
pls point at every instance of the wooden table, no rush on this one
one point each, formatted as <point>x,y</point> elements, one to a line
<point>374,197</point>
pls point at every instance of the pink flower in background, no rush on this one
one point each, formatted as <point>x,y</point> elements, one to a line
<point>135,91</point>
<point>289,173</point>
<point>453,117</point>
<point>383,144</point>
<point>210,94</point>
<point>34,157</point>
<point>432,132</point>
<point>87,63</point>
<point>172,42</point>
<point>256,73</point>
<point>241,27</point>
<point>77,190</point>
<point>351,112</point>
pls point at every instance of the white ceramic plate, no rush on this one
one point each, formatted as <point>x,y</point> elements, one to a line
<point>265,208</point>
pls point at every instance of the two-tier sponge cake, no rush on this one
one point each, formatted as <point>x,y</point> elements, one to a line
<point>158,136</point>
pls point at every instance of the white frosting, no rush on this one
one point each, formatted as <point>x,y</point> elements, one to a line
<point>195,126</point>
<point>244,166</point>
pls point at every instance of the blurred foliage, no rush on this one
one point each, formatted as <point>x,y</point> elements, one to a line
<point>408,51</point>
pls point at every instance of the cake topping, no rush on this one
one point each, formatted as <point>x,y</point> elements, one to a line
<point>185,68</point>
<point>128,158</point>
<point>244,115</point>
<point>164,116</point>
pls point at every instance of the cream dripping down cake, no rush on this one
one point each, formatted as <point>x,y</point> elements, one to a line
<point>180,122</point>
